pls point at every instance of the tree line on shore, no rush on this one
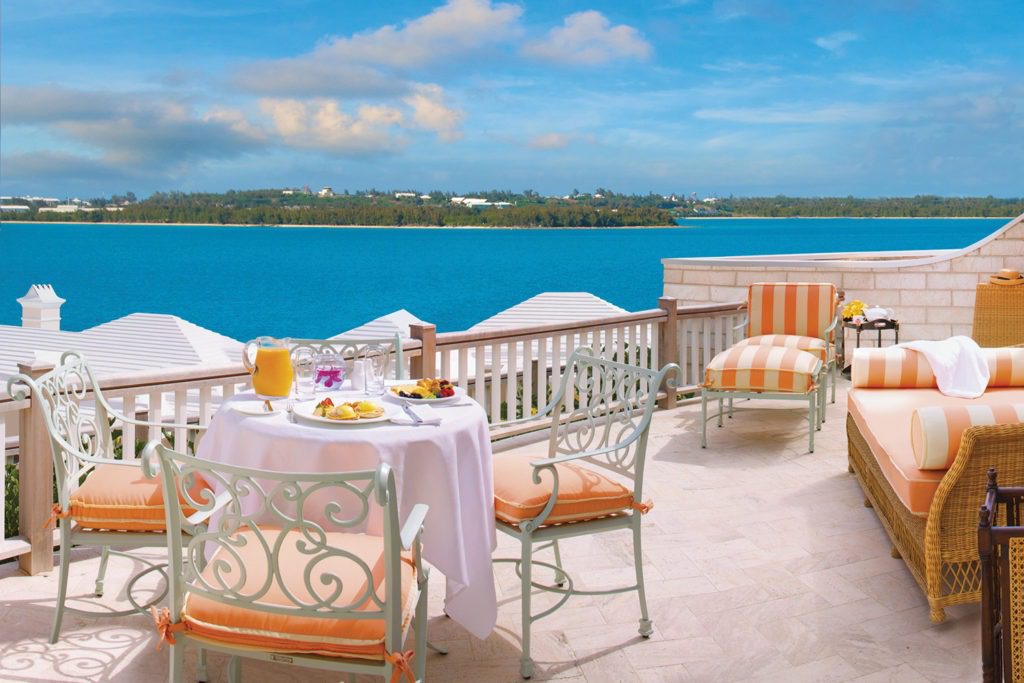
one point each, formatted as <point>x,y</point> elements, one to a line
<point>602,208</point>
<point>921,206</point>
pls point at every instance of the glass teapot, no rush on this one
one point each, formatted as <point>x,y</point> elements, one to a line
<point>270,366</point>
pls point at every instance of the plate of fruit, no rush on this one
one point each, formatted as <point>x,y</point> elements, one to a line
<point>428,390</point>
<point>339,411</point>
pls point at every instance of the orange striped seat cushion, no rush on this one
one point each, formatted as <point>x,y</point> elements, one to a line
<point>333,637</point>
<point>121,498</point>
<point>583,493</point>
<point>804,309</point>
<point>763,368</point>
<point>895,367</point>
<point>817,346</point>
<point>883,416</point>
<point>935,431</point>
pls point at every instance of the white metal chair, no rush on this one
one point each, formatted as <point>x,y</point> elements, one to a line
<point>600,417</point>
<point>104,501</point>
<point>351,349</point>
<point>283,574</point>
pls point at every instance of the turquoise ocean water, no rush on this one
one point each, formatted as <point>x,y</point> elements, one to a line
<point>315,282</point>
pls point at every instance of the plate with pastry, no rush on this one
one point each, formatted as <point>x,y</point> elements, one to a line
<point>341,412</point>
<point>433,390</point>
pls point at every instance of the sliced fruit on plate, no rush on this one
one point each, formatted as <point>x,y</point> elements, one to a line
<point>323,408</point>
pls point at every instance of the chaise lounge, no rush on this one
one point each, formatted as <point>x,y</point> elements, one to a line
<point>931,513</point>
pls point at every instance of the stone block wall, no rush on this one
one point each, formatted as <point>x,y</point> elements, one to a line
<point>932,297</point>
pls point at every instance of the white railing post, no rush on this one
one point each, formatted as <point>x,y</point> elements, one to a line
<point>35,481</point>
<point>668,348</point>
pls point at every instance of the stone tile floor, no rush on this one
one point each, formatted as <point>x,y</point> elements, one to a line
<point>761,561</point>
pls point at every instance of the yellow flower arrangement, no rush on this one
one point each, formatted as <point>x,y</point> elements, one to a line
<point>855,307</point>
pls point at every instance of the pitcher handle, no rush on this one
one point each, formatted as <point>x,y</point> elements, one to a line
<point>249,364</point>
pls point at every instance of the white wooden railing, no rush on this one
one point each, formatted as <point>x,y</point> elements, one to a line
<point>509,372</point>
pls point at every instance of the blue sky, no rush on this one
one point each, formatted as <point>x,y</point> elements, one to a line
<point>748,97</point>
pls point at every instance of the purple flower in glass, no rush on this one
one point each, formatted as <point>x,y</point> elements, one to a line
<point>328,377</point>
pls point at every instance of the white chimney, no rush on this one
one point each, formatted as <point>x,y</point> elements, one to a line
<point>40,308</point>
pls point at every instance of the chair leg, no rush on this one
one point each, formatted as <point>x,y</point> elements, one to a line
<point>703,420</point>
<point>730,408</point>
<point>812,420</point>
<point>235,669</point>
<point>835,377</point>
<point>525,568</point>
<point>721,409</point>
<point>201,675</point>
<point>104,558</point>
<point>646,626</point>
<point>559,574</point>
<point>177,669</point>
<point>62,588</point>
<point>420,627</point>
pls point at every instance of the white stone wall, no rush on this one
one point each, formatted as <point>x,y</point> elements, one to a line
<point>932,301</point>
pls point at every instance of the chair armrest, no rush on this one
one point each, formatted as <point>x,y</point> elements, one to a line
<point>414,525</point>
<point>201,516</point>
<point>568,457</point>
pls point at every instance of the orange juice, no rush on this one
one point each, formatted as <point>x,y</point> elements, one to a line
<point>273,373</point>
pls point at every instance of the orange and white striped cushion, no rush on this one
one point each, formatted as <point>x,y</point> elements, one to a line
<point>763,368</point>
<point>800,308</point>
<point>815,345</point>
<point>892,367</point>
<point>895,367</point>
<point>935,431</point>
<point>1005,366</point>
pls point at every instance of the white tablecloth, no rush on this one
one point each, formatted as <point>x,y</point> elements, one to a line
<point>448,467</point>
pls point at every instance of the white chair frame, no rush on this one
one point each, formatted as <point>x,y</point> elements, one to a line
<point>283,498</point>
<point>607,427</point>
<point>81,439</point>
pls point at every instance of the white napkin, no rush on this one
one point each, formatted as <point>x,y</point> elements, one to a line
<point>424,412</point>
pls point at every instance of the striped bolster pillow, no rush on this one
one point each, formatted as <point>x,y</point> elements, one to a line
<point>895,367</point>
<point>935,431</point>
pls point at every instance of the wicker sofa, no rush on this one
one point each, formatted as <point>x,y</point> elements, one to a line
<point>931,516</point>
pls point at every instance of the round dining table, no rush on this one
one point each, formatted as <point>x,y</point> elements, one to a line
<point>446,466</point>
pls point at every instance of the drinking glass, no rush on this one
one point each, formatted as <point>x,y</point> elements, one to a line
<point>304,362</point>
<point>330,372</point>
<point>375,361</point>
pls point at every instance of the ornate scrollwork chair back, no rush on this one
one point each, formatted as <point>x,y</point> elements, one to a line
<point>351,349</point>
<point>607,413</point>
<point>286,550</point>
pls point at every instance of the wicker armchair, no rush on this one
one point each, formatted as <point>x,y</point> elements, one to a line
<point>1001,549</point>
<point>941,550</point>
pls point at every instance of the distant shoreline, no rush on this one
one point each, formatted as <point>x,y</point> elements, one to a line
<point>521,227</point>
<point>361,227</point>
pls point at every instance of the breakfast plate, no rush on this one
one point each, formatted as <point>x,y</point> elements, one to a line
<point>359,412</point>
<point>431,390</point>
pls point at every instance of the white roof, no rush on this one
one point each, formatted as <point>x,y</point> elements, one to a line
<point>550,308</point>
<point>43,294</point>
<point>139,341</point>
<point>397,322</point>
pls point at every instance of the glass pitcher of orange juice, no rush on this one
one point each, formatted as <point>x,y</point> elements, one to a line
<point>271,370</point>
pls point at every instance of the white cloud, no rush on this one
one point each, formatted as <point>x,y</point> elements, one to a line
<point>549,141</point>
<point>588,38</point>
<point>731,66</point>
<point>834,42</point>
<point>377,62</point>
<point>795,114</point>
<point>455,28</point>
<point>429,111</point>
<point>323,125</point>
